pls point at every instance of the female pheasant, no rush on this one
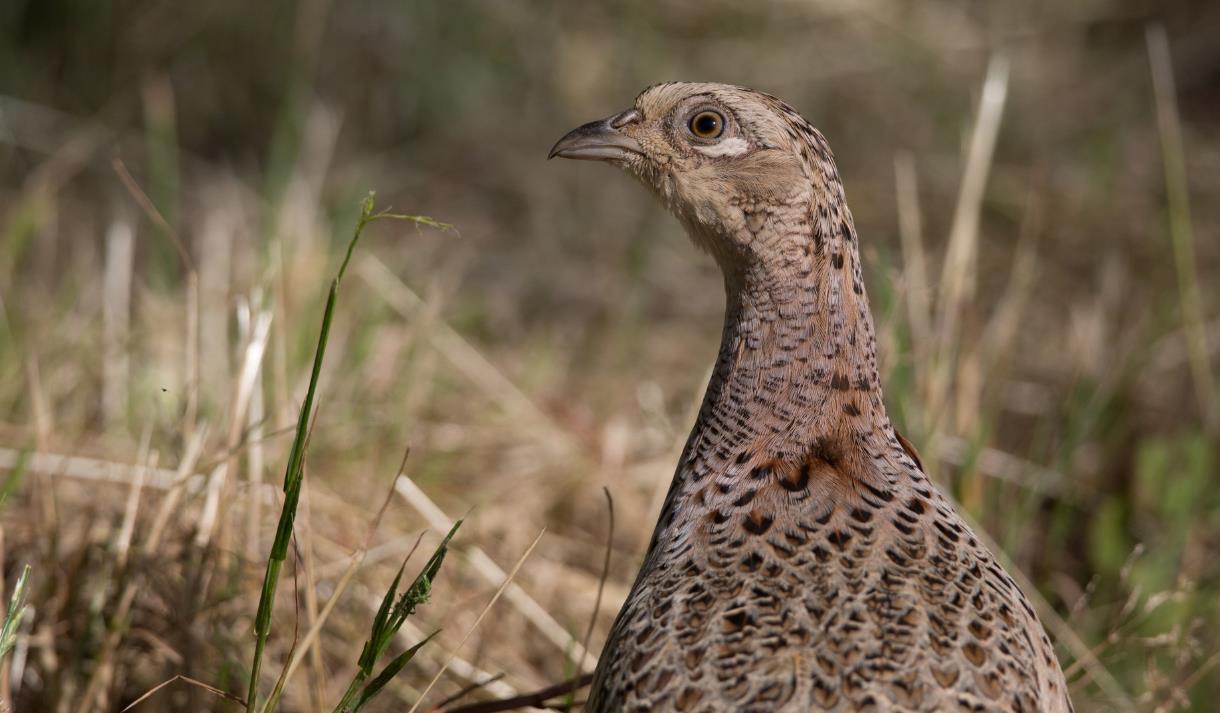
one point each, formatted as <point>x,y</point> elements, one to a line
<point>803,561</point>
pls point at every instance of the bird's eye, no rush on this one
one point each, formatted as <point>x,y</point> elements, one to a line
<point>707,124</point>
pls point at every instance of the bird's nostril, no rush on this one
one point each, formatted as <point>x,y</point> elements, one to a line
<point>630,116</point>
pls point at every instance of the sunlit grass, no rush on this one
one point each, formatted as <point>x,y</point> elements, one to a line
<point>393,611</point>
<point>1054,374</point>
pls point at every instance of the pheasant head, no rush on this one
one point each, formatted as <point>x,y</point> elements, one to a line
<point>740,168</point>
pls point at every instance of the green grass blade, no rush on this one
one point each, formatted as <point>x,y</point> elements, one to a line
<point>384,622</point>
<point>293,471</point>
<point>389,672</point>
<point>12,483</point>
<point>368,656</point>
<point>387,622</point>
<point>16,610</point>
<point>421,588</point>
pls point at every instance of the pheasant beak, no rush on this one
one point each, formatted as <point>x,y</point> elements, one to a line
<point>601,140</point>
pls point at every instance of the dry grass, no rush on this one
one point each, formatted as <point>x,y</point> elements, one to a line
<point>1033,193</point>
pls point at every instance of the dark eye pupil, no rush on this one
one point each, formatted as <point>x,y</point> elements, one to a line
<point>707,124</point>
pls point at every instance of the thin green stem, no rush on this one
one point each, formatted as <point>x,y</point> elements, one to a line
<point>293,473</point>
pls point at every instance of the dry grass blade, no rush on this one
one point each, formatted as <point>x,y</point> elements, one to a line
<point>534,699</point>
<point>1180,231</point>
<point>169,504</point>
<point>127,529</point>
<point>247,380</point>
<point>485,567</point>
<point>40,411</point>
<point>1006,467</point>
<point>191,290</point>
<point>915,265</point>
<point>150,210</point>
<point>94,469</point>
<point>468,689</point>
<point>569,688</point>
<point>187,679</point>
<point>116,318</point>
<point>1005,324</point>
<point>479,619</point>
<point>465,357</point>
<point>248,326</point>
<point>458,666</point>
<point>103,669</point>
<point>601,581</point>
<point>958,273</point>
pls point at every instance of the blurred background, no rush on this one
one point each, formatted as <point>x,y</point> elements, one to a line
<point>1036,190</point>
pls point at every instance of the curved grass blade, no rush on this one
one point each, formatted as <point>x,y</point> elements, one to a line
<point>386,623</point>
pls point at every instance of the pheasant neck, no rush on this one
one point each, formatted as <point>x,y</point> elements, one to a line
<point>797,370</point>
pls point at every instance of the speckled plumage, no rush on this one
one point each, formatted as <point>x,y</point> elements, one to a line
<point>802,561</point>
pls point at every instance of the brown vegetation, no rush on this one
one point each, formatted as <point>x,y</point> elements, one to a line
<point>1034,190</point>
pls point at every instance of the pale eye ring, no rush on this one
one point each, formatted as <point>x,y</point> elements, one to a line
<point>706,124</point>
